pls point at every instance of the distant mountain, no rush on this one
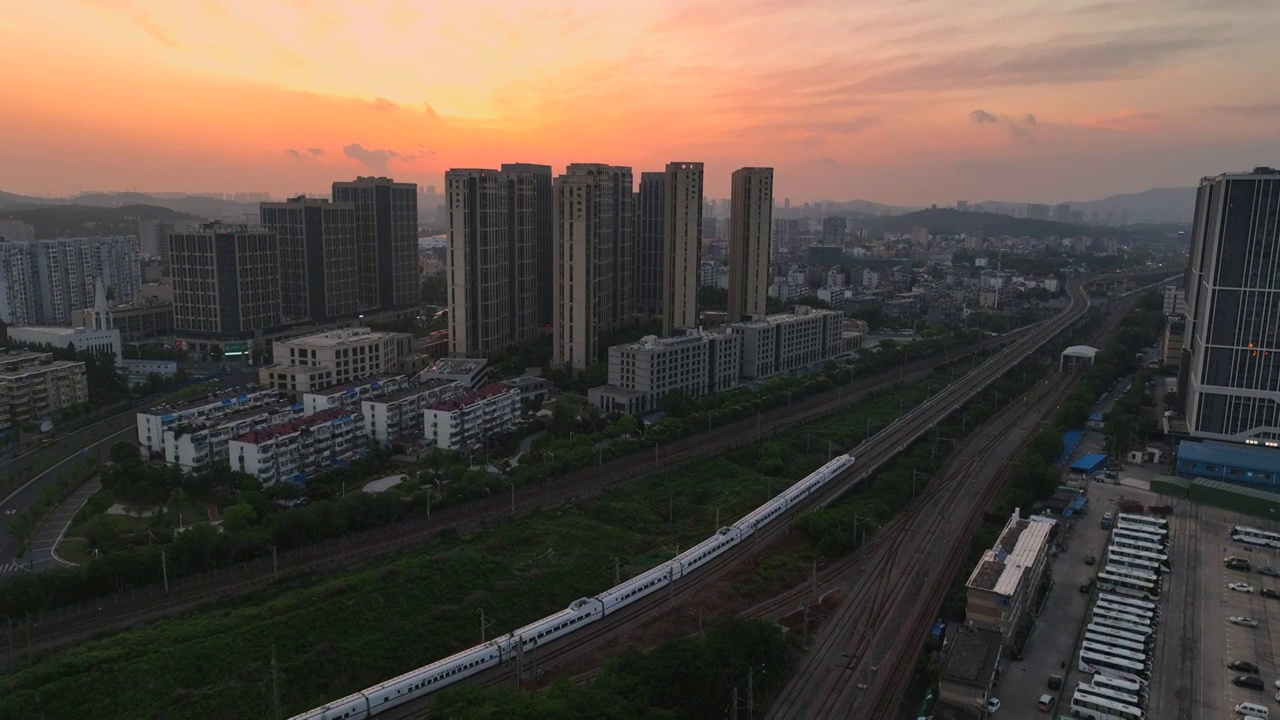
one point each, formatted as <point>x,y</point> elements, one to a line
<point>198,205</point>
<point>69,220</point>
<point>1157,205</point>
<point>948,221</point>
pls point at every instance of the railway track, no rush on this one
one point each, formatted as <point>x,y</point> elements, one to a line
<point>56,630</point>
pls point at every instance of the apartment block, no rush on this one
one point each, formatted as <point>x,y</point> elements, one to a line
<point>194,447</point>
<point>494,233</point>
<point>649,280</point>
<point>79,338</point>
<point>17,282</point>
<point>336,357</point>
<point>226,284</point>
<point>750,231</point>
<point>317,254</point>
<point>146,318</point>
<point>299,448</point>
<point>544,234</point>
<point>154,421</point>
<point>153,238</point>
<point>33,385</point>
<point>1004,587</point>
<point>788,342</point>
<point>467,421</point>
<point>682,252</point>
<point>386,240</point>
<point>65,271</point>
<point>595,231</point>
<point>642,373</point>
<point>395,417</point>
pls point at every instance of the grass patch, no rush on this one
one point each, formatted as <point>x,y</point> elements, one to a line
<point>75,550</point>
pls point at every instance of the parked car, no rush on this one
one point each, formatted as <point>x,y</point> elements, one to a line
<point>1268,571</point>
<point>993,704</point>
<point>1243,666</point>
<point>1245,621</point>
<point>1055,682</point>
<point>1090,560</point>
<point>1240,587</point>
<point>1236,563</point>
<point>1253,682</point>
<point>1271,594</point>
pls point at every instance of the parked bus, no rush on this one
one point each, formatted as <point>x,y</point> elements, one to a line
<point>1102,638</point>
<point>1121,560</point>
<point>1131,541</point>
<point>1130,692</point>
<point>1085,704</point>
<point>1123,624</point>
<point>1105,648</point>
<point>1127,586</point>
<point>1115,618</point>
<point>1159,559</point>
<point>1147,520</point>
<point>1150,616</point>
<point>1254,536</point>
<point>1095,664</point>
<point>1126,571</point>
<point>1137,536</point>
<point>1120,634</point>
<point>1122,600</point>
<point>1161,533</point>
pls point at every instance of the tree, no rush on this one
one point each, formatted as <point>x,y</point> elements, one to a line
<point>123,453</point>
<point>238,517</point>
<point>22,526</point>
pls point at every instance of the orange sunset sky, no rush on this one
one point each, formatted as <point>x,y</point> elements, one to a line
<point>901,101</point>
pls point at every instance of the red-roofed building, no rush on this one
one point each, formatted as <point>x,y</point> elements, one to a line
<point>467,420</point>
<point>301,447</point>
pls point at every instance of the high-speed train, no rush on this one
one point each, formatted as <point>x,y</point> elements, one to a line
<point>425,680</point>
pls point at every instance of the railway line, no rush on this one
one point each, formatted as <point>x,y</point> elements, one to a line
<point>868,648</point>
<point>58,629</point>
<point>871,454</point>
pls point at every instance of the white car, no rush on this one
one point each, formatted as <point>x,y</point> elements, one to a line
<point>1247,622</point>
<point>993,704</point>
<point>1240,587</point>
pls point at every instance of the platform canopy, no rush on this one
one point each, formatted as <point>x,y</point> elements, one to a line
<point>1078,353</point>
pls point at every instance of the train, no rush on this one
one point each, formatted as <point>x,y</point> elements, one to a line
<point>432,678</point>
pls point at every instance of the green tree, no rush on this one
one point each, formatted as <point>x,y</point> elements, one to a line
<point>238,517</point>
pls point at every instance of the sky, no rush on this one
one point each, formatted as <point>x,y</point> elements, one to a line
<point>908,102</point>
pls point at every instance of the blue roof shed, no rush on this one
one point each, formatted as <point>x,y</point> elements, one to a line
<point>1253,465</point>
<point>1090,464</point>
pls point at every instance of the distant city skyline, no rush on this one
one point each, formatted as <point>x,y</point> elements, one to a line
<point>906,104</point>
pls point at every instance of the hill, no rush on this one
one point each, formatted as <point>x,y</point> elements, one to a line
<point>1157,205</point>
<point>69,220</point>
<point>198,205</point>
<point>946,221</point>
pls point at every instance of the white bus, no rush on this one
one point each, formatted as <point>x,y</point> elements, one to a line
<point>1150,616</point>
<point>1085,704</point>
<point>1125,686</point>
<point>1122,600</point>
<point>1102,638</point>
<point>1157,558</point>
<point>1135,536</point>
<point>1127,586</point>
<point>1117,556</point>
<point>1254,536</point>
<point>1106,648</point>
<point>1147,520</point>
<point>1143,533</point>
<point>1096,664</point>
<point>1123,624</point>
<point>1129,541</point>
<point>1161,533</point>
<point>1120,634</point>
<point>1148,575</point>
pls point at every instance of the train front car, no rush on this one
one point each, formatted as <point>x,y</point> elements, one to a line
<point>352,707</point>
<point>549,628</point>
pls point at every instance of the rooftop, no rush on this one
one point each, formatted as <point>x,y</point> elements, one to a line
<point>471,398</point>
<point>414,389</point>
<point>368,382</point>
<point>972,658</point>
<point>292,426</point>
<point>240,392</point>
<point>1252,457</point>
<point>456,366</point>
<point>1019,545</point>
<point>336,338</point>
<point>58,330</point>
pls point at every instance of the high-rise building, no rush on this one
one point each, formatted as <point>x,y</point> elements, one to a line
<point>750,223</point>
<point>17,283</point>
<point>544,233</point>
<point>1231,358</point>
<point>1037,211</point>
<point>650,273</point>
<point>317,252</point>
<point>386,240</point>
<point>492,260</point>
<point>65,271</point>
<point>1062,213</point>
<point>226,283</point>
<point>17,231</point>
<point>682,245</point>
<point>153,238</point>
<point>835,230</point>
<point>595,232</point>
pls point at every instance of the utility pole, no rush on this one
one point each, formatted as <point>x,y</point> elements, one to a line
<point>813,579</point>
<point>671,504</point>
<point>717,526</point>
<point>275,567</point>
<point>735,702</point>
<point>617,571</point>
<point>751,703</point>
<point>484,624</point>
<point>275,685</point>
<point>164,571</point>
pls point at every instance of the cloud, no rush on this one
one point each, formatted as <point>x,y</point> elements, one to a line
<point>1126,121</point>
<point>825,161</point>
<point>1030,119</point>
<point>1255,111</point>
<point>316,151</point>
<point>378,158</point>
<point>293,153</point>
<point>981,116</point>
<point>139,17</point>
<point>383,104</point>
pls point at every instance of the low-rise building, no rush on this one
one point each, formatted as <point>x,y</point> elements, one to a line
<point>153,421</point>
<point>467,421</point>
<point>972,658</point>
<point>641,373</point>
<point>788,342</point>
<point>473,373</point>
<point>33,385</point>
<point>300,447</point>
<point>195,447</point>
<point>146,318</point>
<point>1004,589</point>
<point>393,415</point>
<point>335,357</point>
<point>144,368</point>
<point>532,388</point>
<point>80,338</point>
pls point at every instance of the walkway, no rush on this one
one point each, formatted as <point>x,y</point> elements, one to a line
<point>44,546</point>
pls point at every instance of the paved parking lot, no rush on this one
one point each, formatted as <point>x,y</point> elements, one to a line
<point>1055,643</point>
